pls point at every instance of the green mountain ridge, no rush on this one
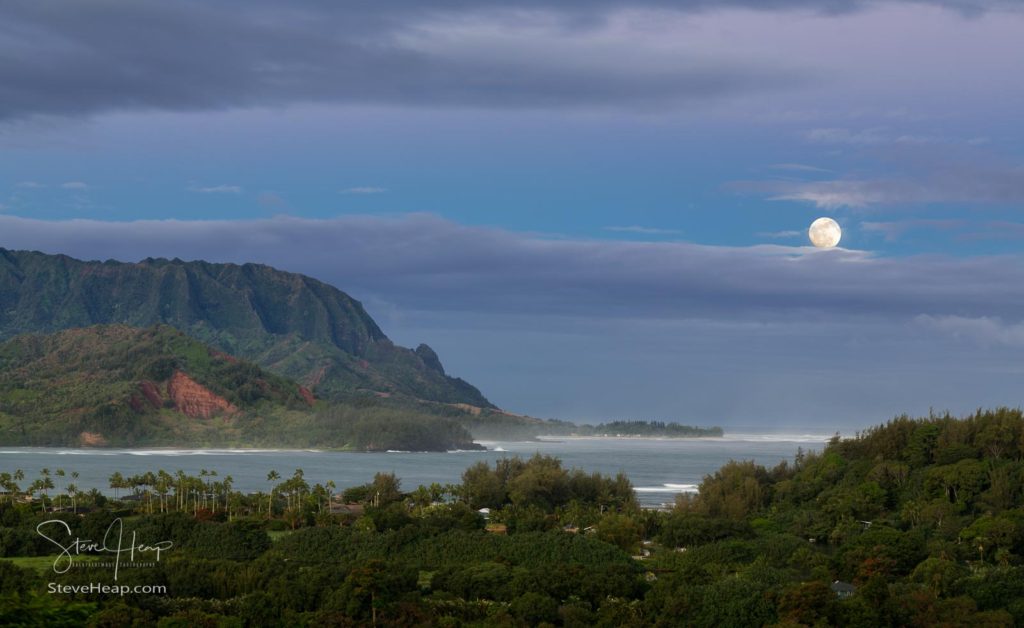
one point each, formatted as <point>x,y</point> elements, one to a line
<point>289,323</point>
<point>117,385</point>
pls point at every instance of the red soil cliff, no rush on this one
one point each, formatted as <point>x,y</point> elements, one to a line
<point>194,399</point>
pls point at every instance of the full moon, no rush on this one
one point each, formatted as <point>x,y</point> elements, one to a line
<point>824,233</point>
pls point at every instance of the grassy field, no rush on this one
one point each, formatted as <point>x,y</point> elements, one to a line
<point>44,564</point>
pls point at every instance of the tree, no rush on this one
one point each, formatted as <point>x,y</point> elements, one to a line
<point>385,489</point>
<point>60,488</point>
<point>735,490</point>
<point>534,608</point>
<point>116,482</point>
<point>621,530</point>
<point>542,483</point>
<point>808,603</point>
<point>73,493</point>
<point>481,487</point>
<point>272,477</point>
<point>376,585</point>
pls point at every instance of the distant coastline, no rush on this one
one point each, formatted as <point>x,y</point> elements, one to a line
<point>555,437</point>
<point>645,429</point>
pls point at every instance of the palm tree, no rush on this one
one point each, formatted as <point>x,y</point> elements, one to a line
<point>73,492</point>
<point>47,487</point>
<point>211,489</point>
<point>202,481</point>
<point>19,475</point>
<point>180,496</point>
<point>8,485</point>
<point>116,482</point>
<point>46,484</point>
<point>297,487</point>
<point>272,477</point>
<point>60,489</point>
<point>330,493</point>
<point>33,488</point>
<point>149,481</point>
<point>164,481</point>
<point>226,484</point>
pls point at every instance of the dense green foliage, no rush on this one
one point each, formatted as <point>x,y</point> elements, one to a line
<point>915,523</point>
<point>109,383</point>
<point>54,387</point>
<point>290,324</point>
<point>542,482</point>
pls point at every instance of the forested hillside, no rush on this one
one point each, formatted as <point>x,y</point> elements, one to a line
<point>913,523</point>
<point>115,385</point>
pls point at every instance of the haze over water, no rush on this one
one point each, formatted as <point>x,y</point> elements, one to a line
<point>658,468</point>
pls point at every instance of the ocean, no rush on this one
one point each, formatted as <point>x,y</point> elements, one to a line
<point>658,468</point>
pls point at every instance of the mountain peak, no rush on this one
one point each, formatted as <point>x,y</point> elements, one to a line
<point>429,357</point>
<point>291,324</point>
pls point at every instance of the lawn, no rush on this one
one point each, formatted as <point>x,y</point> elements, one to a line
<point>44,564</point>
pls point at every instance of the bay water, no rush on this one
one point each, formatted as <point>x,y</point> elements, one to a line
<point>658,468</point>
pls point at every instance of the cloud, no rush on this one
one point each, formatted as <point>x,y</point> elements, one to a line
<point>870,137</point>
<point>70,58</point>
<point>74,185</point>
<point>915,174</point>
<point>781,234</point>
<point>271,200</point>
<point>982,329</point>
<point>217,189</point>
<point>643,230</point>
<point>30,185</point>
<point>364,190</point>
<point>846,136</point>
<point>971,185</point>
<point>894,230</point>
<point>798,168</point>
<point>424,263</point>
<point>832,194</point>
<point>994,230</point>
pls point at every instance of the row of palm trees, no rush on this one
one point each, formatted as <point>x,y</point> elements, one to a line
<point>291,499</point>
<point>165,492</point>
<point>161,491</point>
<point>12,490</point>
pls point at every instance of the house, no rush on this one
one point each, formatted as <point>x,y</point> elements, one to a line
<point>842,589</point>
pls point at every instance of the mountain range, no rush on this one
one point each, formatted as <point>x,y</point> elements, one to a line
<point>117,385</point>
<point>289,324</point>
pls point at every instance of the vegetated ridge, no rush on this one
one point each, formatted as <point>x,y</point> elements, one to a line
<point>116,385</point>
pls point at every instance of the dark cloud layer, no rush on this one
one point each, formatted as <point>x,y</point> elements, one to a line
<point>422,262</point>
<point>73,58</point>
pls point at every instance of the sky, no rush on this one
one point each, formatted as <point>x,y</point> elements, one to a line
<point>591,210</point>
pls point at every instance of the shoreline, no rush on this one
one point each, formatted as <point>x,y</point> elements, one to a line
<point>727,438</point>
